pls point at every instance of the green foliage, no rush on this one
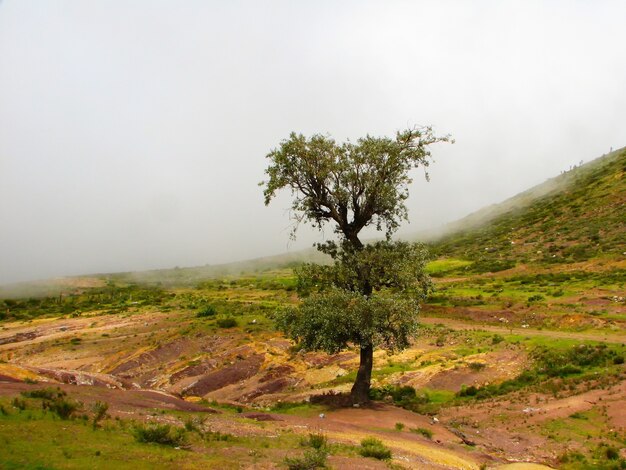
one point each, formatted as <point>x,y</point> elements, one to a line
<point>550,362</point>
<point>477,366</point>
<point>48,393</point>
<point>228,322</point>
<point>396,267</point>
<point>399,426</point>
<point>315,440</point>
<point>19,404</point>
<point>335,313</point>
<point>397,393</point>
<point>99,412</point>
<point>112,298</point>
<point>208,311</point>
<point>497,339</point>
<point>312,459</point>
<point>427,433</point>
<point>63,407</point>
<point>367,179</point>
<point>372,447</point>
<point>333,320</point>
<point>159,434</point>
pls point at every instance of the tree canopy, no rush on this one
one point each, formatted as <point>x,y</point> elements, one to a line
<point>353,185</point>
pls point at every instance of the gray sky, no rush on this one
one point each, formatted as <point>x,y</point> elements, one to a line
<point>133,133</point>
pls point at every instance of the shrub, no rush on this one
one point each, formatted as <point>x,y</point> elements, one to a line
<point>317,441</point>
<point>427,433</point>
<point>372,447</point>
<point>48,393</point>
<point>399,426</point>
<point>208,311</point>
<point>159,434</point>
<point>312,459</point>
<point>194,423</point>
<point>64,408</point>
<point>495,339</point>
<point>218,436</point>
<point>477,366</point>
<point>99,412</point>
<point>19,404</point>
<point>226,322</point>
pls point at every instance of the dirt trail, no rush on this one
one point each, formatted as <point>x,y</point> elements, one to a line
<point>589,336</point>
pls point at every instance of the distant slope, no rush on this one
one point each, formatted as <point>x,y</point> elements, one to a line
<point>578,215</point>
<point>171,277</point>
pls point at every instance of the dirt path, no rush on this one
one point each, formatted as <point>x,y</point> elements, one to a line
<point>462,325</point>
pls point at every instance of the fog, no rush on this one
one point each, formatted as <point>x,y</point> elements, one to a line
<point>133,134</point>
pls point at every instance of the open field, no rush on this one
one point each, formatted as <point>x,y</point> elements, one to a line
<point>121,343</point>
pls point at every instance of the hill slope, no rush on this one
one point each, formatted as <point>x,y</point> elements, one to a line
<point>578,215</point>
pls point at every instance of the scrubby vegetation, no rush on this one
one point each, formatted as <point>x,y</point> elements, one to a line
<point>374,448</point>
<point>162,434</point>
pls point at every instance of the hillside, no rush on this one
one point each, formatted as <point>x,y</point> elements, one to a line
<point>574,217</point>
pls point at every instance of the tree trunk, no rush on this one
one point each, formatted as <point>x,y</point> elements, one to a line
<point>361,388</point>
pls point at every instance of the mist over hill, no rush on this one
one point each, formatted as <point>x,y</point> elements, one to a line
<point>574,216</point>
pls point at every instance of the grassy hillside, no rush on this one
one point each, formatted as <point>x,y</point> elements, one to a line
<point>574,217</point>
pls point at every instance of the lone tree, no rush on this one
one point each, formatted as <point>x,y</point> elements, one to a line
<point>370,295</point>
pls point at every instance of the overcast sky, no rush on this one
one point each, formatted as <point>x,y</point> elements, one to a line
<point>133,133</point>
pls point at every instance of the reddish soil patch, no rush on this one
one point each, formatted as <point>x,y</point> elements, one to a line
<point>237,372</point>
<point>193,371</point>
<point>321,360</point>
<point>6,378</point>
<point>19,337</point>
<point>158,356</point>
<point>274,386</point>
<point>277,372</point>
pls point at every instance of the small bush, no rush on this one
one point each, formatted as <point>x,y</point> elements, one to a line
<point>611,453</point>
<point>99,412</point>
<point>3,410</point>
<point>495,339</point>
<point>208,311</point>
<point>427,433</point>
<point>312,459</point>
<point>477,366</point>
<point>571,457</point>
<point>218,436</point>
<point>194,424</point>
<point>317,441</point>
<point>64,408</point>
<point>399,426</point>
<point>226,322</point>
<point>19,404</point>
<point>374,448</point>
<point>159,434</point>
<point>48,393</point>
